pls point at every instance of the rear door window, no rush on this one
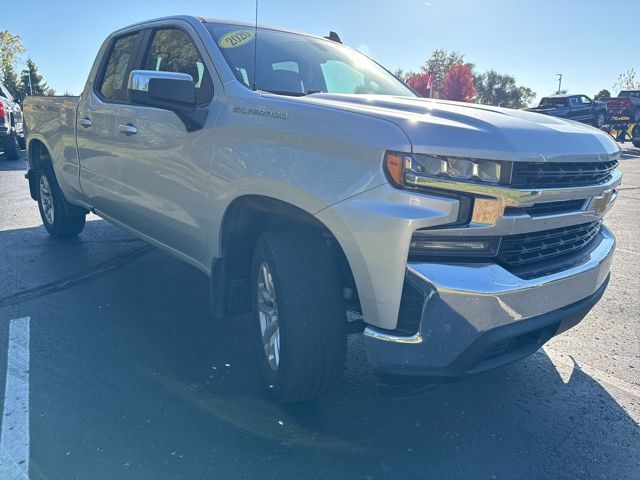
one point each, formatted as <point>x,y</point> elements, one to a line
<point>115,77</point>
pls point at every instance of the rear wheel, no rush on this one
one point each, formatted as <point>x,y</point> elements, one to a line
<point>58,223</point>
<point>11,147</point>
<point>299,314</point>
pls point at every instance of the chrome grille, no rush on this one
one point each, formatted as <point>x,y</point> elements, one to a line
<point>559,175</point>
<point>523,249</point>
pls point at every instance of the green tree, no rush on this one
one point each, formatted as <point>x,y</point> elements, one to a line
<point>31,82</point>
<point>493,88</point>
<point>604,93</point>
<point>10,49</point>
<point>438,65</point>
<point>401,75</point>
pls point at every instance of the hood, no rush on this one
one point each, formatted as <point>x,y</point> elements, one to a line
<point>441,127</point>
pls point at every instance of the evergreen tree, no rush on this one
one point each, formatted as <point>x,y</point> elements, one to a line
<point>31,82</point>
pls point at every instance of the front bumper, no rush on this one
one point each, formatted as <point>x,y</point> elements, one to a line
<point>481,316</point>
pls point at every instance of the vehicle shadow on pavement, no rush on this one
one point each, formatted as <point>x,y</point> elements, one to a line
<point>7,165</point>
<point>132,378</point>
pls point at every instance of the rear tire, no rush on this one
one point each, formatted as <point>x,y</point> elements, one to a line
<point>11,147</point>
<point>297,285</point>
<point>58,223</point>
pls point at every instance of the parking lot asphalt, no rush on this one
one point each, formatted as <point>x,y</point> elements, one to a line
<point>131,378</point>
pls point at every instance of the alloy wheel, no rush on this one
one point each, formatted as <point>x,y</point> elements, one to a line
<point>268,313</point>
<point>46,200</point>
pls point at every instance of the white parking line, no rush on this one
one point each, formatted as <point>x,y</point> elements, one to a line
<point>14,437</point>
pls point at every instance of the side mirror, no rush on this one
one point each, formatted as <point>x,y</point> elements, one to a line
<point>168,91</point>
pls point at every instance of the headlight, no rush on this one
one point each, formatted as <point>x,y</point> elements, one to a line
<point>406,169</point>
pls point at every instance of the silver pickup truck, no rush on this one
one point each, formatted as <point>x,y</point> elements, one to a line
<point>322,195</point>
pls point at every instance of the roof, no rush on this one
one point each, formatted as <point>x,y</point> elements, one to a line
<point>216,20</point>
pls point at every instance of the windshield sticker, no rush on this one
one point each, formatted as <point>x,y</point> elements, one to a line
<point>237,38</point>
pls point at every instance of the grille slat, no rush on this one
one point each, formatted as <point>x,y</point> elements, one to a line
<point>522,249</point>
<point>547,208</point>
<point>549,175</point>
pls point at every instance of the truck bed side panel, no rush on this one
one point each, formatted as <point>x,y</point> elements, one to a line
<point>51,121</point>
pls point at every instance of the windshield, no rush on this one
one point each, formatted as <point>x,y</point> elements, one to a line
<point>630,94</point>
<point>553,102</point>
<point>295,64</point>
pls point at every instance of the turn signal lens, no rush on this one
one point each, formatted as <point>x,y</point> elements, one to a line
<point>394,166</point>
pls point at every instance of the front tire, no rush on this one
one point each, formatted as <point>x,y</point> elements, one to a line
<point>299,314</point>
<point>11,147</point>
<point>58,223</point>
<point>599,120</point>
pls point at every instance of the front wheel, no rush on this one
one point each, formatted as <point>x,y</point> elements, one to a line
<point>56,220</point>
<point>599,120</point>
<point>299,314</point>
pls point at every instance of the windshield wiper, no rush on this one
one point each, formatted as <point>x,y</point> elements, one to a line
<point>292,94</point>
<point>281,92</point>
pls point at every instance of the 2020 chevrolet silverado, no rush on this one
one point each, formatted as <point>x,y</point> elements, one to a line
<point>321,194</point>
<point>11,125</point>
<point>573,107</point>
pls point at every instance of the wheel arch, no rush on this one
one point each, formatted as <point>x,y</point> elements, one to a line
<point>35,148</point>
<point>39,156</point>
<point>244,220</point>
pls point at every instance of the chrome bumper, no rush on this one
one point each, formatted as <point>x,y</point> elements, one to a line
<point>463,302</point>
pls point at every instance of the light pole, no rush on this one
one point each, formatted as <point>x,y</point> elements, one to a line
<point>30,87</point>
<point>559,82</point>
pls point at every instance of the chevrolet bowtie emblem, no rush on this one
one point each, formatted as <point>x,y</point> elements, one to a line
<point>599,204</point>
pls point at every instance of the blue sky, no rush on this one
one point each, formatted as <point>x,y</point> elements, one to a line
<point>532,40</point>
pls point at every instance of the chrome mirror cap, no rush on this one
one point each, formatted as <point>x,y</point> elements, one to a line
<point>139,79</point>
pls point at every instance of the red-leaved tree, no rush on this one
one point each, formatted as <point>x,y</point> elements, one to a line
<point>458,84</point>
<point>421,83</point>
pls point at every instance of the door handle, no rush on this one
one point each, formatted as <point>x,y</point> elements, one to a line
<point>128,129</point>
<point>85,122</point>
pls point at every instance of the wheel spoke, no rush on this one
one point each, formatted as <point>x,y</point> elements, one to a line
<point>268,310</point>
<point>262,290</point>
<point>269,333</point>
